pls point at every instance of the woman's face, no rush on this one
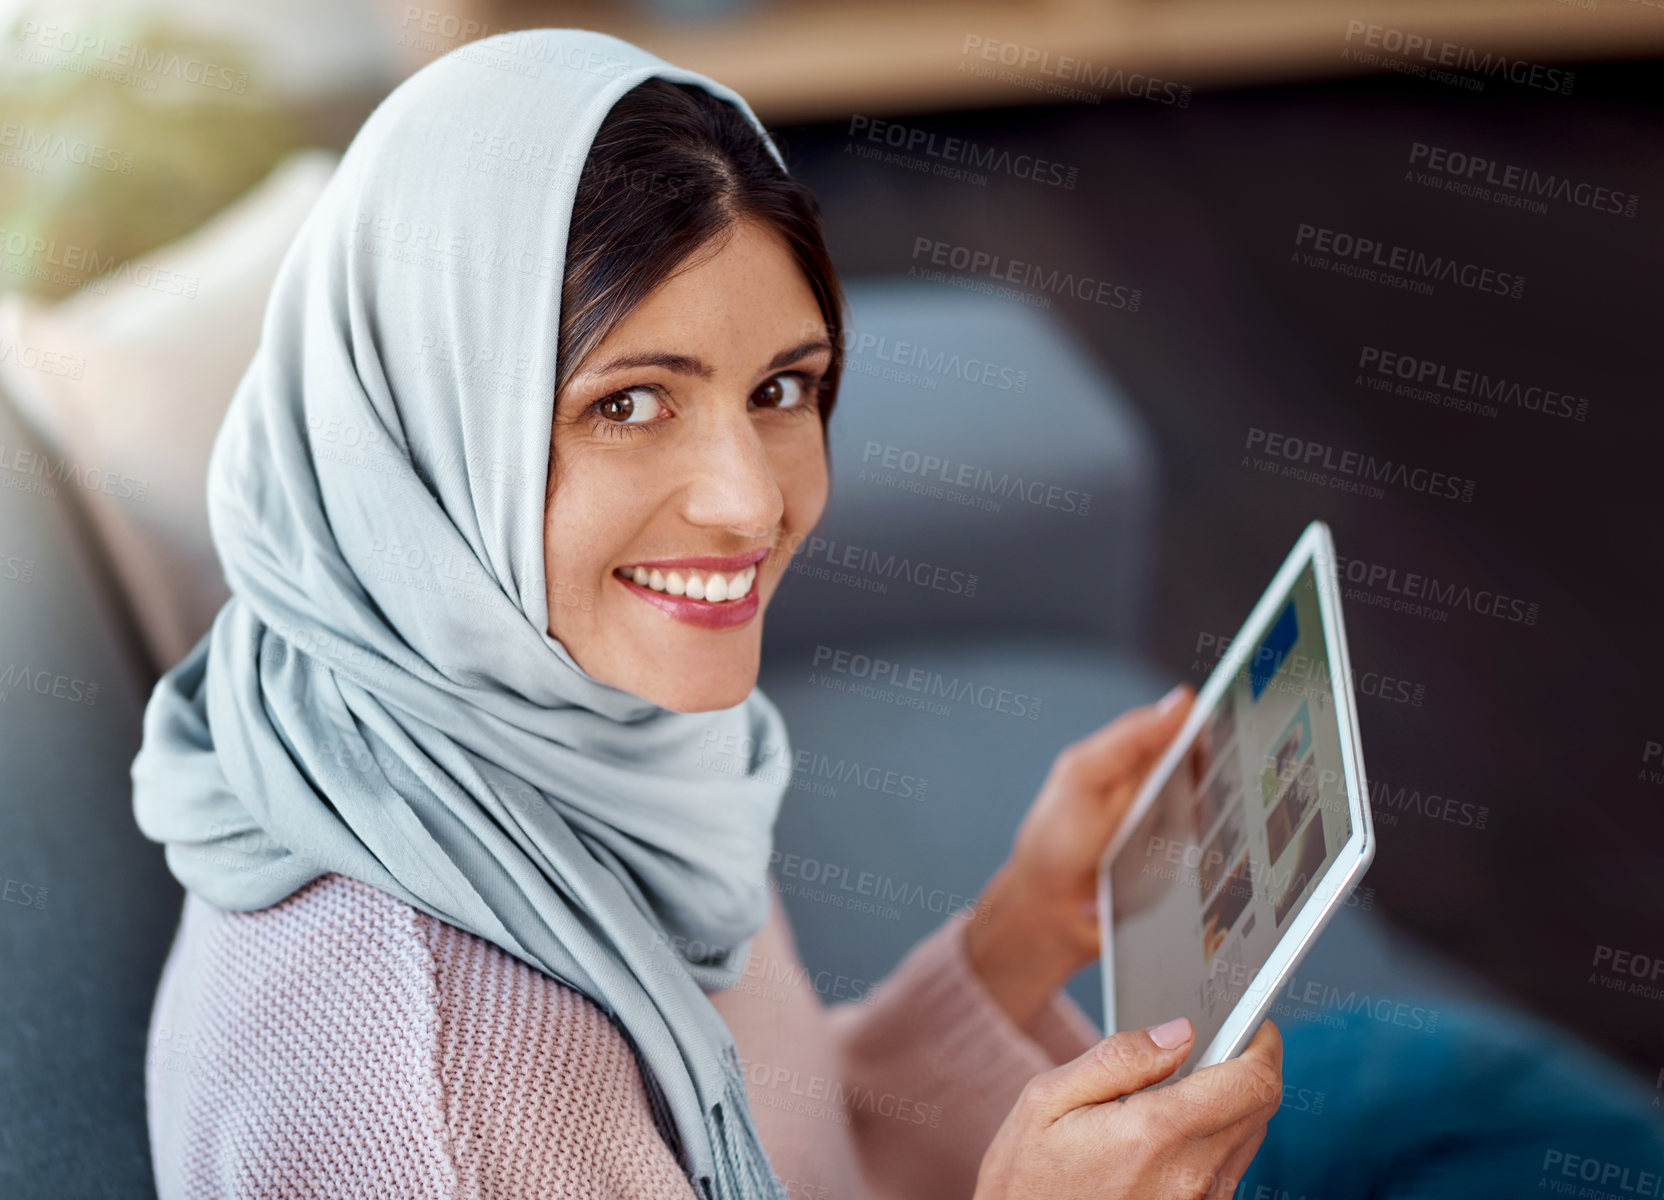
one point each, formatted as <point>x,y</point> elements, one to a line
<point>690,432</point>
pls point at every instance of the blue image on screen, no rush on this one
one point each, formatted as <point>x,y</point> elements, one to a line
<point>1269,656</point>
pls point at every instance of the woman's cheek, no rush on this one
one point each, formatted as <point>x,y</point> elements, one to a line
<point>805,482</point>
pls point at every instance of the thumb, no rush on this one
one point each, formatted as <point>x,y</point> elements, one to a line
<point>1135,739</point>
<point>1117,1066</point>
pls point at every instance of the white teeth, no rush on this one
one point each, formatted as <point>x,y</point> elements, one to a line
<point>710,586</point>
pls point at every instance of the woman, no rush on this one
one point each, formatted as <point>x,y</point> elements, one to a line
<point>537,419</point>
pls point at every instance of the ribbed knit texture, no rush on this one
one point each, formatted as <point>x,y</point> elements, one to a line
<point>343,1044</point>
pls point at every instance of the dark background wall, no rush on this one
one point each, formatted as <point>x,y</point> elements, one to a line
<point>1520,814</point>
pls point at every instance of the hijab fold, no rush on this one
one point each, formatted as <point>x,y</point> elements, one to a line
<point>381,696</point>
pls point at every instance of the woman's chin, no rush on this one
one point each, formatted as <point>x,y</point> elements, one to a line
<point>703,699</point>
<point>703,681</point>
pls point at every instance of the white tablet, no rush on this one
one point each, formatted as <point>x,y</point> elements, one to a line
<point>1251,831</point>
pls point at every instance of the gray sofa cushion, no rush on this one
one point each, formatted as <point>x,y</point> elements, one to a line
<point>87,907</point>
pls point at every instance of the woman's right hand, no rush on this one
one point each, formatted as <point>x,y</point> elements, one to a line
<point>1070,1135</point>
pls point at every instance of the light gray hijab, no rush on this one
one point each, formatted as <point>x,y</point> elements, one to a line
<point>381,697</point>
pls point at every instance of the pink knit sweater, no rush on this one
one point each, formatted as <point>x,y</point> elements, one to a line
<point>343,1044</point>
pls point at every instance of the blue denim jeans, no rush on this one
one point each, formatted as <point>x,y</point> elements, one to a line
<point>1474,1102</point>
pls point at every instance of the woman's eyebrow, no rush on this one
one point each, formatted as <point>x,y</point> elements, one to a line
<point>686,364</point>
<point>802,350</point>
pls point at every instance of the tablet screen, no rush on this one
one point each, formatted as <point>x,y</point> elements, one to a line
<point>1237,840</point>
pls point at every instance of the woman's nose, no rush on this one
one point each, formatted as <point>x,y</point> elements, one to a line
<point>730,477</point>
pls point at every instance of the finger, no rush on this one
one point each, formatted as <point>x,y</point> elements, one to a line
<point>1265,1047</point>
<point>1132,740</point>
<point>1247,1087</point>
<point>1268,1042</point>
<point>1114,1067</point>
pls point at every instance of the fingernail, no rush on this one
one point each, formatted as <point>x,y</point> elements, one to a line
<point>1170,1034</point>
<point>1170,699</point>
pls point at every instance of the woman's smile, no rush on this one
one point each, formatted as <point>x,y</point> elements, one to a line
<point>701,598</point>
<point>711,592</point>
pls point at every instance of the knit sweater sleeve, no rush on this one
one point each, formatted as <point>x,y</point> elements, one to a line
<point>544,1099</point>
<point>342,1045</point>
<point>931,1065</point>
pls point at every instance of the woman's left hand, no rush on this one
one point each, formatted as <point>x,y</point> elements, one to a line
<point>1037,920</point>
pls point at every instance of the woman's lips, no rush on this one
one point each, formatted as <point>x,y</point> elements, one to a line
<point>724,614</point>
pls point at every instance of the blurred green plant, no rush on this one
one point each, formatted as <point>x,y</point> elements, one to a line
<point>120,134</point>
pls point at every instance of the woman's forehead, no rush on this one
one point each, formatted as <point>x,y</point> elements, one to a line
<point>749,299</point>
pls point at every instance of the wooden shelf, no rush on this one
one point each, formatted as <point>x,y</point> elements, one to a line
<point>814,59</point>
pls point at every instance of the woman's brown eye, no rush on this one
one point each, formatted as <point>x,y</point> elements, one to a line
<point>782,391</point>
<point>626,408</point>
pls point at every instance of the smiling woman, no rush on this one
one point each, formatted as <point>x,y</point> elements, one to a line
<point>699,357</point>
<point>472,884</point>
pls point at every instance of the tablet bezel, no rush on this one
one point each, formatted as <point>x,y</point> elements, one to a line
<point>1315,546</point>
